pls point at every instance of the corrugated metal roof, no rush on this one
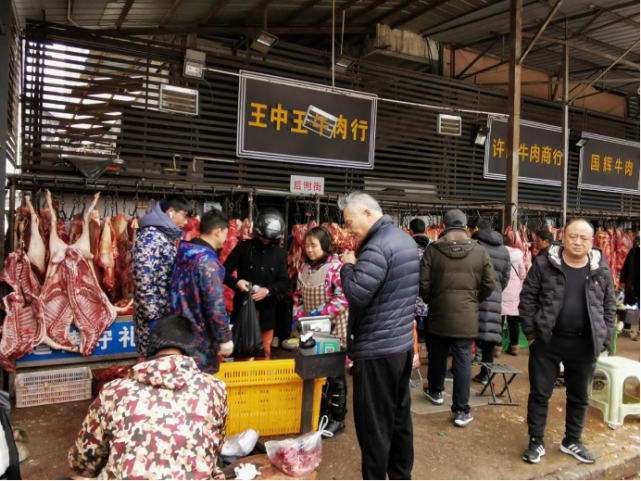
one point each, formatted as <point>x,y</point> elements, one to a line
<point>473,23</point>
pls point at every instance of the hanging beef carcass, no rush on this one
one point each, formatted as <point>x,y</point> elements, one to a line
<point>75,230</point>
<point>94,241</point>
<point>602,241</point>
<point>107,255</point>
<point>36,249</point>
<point>228,246</point>
<point>192,228</point>
<point>124,285</point>
<point>71,292</point>
<point>246,230</point>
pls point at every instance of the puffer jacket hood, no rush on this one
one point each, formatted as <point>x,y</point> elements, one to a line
<point>166,372</point>
<point>422,241</point>
<point>492,237</point>
<point>490,319</point>
<point>544,290</point>
<point>161,221</point>
<point>455,245</point>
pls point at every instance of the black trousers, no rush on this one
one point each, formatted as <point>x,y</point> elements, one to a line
<point>382,416</point>
<point>577,355</point>
<point>461,350</point>
<point>513,325</point>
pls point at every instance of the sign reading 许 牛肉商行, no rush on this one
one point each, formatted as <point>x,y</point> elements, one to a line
<point>271,113</point>
<point>609,164</point>
<point>540,152</point>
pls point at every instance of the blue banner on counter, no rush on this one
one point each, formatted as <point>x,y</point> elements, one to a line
<point>118,339</point>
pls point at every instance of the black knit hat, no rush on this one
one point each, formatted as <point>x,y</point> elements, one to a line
<point>172,332</point>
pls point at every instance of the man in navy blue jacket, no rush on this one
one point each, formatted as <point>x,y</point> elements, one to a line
<point>381,287</point>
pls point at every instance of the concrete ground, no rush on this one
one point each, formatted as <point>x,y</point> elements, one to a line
<point>489,448</point>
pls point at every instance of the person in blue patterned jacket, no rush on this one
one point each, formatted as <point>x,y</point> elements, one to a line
<point>153,257</point>
<point>196,291</point>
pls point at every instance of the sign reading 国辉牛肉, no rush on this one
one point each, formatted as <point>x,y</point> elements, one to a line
<point>609,164</point>
<point>540,152</point>
<point>271,116</point>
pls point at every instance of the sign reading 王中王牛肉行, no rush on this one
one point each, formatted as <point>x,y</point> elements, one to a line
<point>272,123</point>
<point>609,164</point>
<point>540,152</point>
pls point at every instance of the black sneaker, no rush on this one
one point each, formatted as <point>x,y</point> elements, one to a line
<point>334,427</point>
<point>462,419</point>
<point>481,378</point>
<point>534,452</point>
<point>435,398</point>
<point>449,376</point>
<point>576,449</point>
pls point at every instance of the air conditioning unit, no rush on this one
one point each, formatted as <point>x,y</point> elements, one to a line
<point>450,125</point>
<point>178,100</point>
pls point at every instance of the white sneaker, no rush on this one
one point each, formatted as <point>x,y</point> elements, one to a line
<point>275,343</point>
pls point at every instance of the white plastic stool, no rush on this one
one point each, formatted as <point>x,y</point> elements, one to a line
<point>615,403</point>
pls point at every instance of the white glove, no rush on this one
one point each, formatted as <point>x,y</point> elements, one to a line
<point>226,349</point>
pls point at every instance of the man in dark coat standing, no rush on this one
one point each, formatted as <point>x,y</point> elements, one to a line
<point>456,274</point>
<point>490,319</point>
<point>568,311</point>
<point>381,287</point>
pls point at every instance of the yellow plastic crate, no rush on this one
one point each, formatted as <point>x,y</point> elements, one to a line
<point>266,396</point>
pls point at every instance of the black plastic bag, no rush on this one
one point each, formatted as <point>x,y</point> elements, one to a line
<point>248,338</point>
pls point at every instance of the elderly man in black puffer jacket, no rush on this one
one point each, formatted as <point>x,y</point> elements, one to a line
<point>381,288</point>
<point>567,313</point>
<point>490,319</point>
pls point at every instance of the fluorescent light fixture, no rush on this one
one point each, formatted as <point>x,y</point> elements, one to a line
<point>194,64</point>
<point>263,42</point>
<point>481,135</point>
<point>343,64</point>
<point>581,142</point>
<point>320,122</point>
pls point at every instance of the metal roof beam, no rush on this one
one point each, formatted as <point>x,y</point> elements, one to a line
<point>593,41</point>
<point>605,71</point>
<point>420,13</point>
<point>560,20</point>
<point>170,12</point>
<point>588,50</point>
<point>392,12</point>
<point>476,59</point>
<point>124,12</point>
<point>605,91</point>
<point>328,16</point>
<point>560,81</point>
<point>627,20</point>
<point>540,31</point>
<point>261,7</point>
<point>222,31</point>
<point>295,15</point>
<point>365,11</point>
<point>218,6</point>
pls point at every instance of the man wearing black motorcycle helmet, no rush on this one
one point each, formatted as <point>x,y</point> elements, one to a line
<point>262,263</point>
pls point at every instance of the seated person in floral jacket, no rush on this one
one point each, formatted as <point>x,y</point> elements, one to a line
<point>166,420</point>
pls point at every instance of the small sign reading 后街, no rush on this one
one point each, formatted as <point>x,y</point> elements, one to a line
<point>609,164</point>
<point>302,185</point>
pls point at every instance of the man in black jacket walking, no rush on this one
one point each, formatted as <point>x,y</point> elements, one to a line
<point>381,288</point>
<point>262,263</point>
<point>567,313</point>
<point>490,319</point>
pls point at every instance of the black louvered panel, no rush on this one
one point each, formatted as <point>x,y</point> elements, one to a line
<point>119,83</point>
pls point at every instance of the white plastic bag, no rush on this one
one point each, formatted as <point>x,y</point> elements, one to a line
<point>300,456</point>
<point>240,445</point>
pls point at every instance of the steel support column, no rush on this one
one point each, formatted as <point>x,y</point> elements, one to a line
<point>565,132</point>
<point>514,110</point>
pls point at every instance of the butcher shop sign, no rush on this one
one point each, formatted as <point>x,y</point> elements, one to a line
<point>287,120</point>
<point>540,152</point>
<point>609,164</point>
